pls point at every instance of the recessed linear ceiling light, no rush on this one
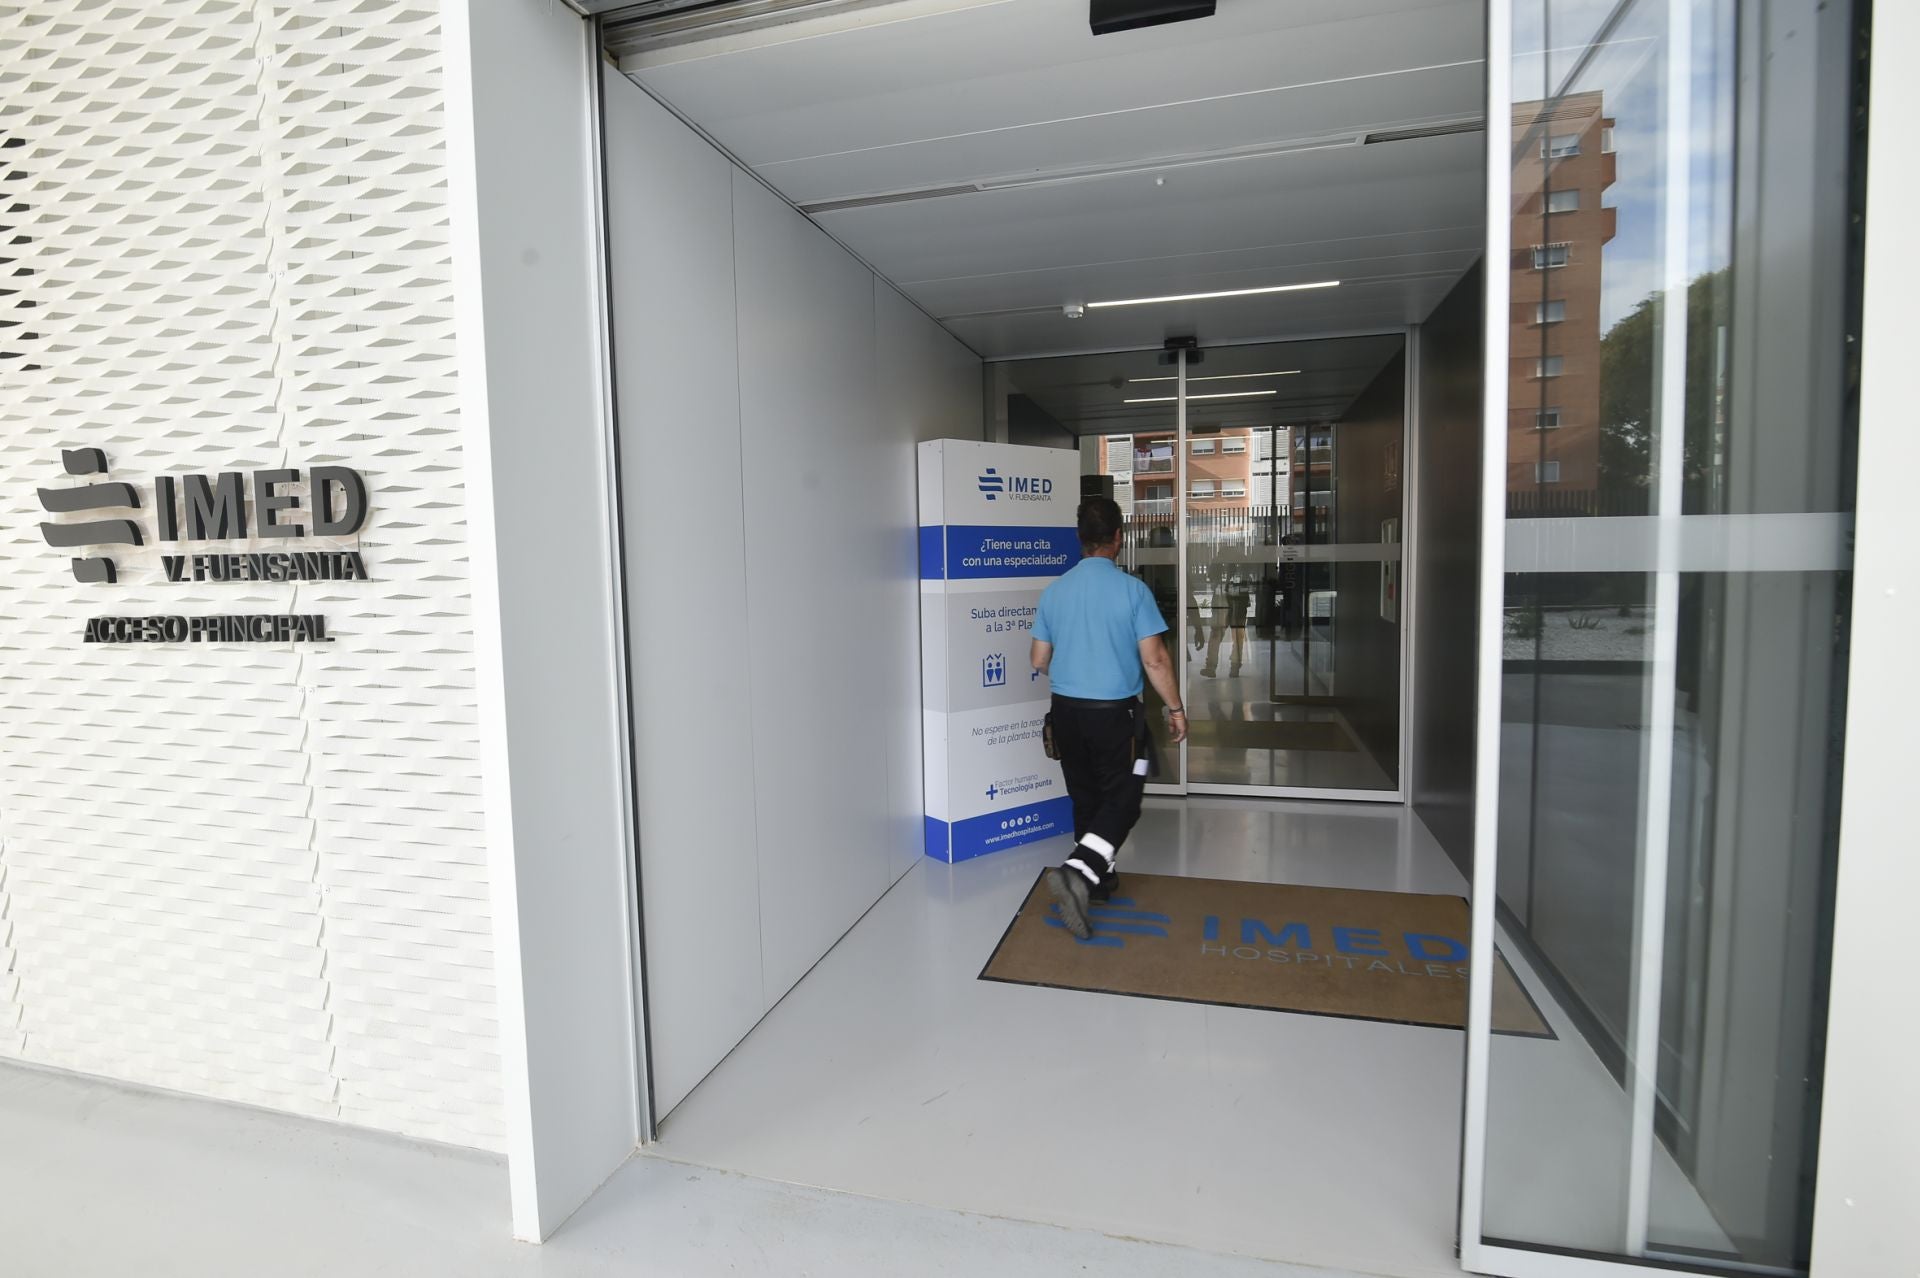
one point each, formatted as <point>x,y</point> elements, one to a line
<point>1168,399</point>
<point>1208,297</point>
<point>1216,377</point>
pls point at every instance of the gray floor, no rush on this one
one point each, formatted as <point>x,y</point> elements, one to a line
<point>1243,690</point>
<point>896,1115</point>
<point>102,1180</point>
<point>892,1071</point>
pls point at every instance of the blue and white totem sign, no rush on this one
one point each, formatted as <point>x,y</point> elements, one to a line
<point>996,526</point>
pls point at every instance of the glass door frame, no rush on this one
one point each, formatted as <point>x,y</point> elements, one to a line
<point>1477,1254</point>
<point>1183,785</point>
<point>1179,786</point>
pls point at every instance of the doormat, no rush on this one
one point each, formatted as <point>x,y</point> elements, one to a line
<point>1269,734</point>
<point>1399,957</point>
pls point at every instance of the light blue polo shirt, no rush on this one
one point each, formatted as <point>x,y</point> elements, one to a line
<point>1095,617</point>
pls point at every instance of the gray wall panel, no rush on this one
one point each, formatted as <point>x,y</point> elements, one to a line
<point>1447,545</point>
<point>677,370</point>
<point>1368,493</point>
<point>928,386</point>
<point>813,578</point>
<point>771,391</point>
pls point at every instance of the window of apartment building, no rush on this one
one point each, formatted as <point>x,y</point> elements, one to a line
<point>1200,488</point>
<point>1156,492</point>
<point>1202,447</point>
<point>1606,140</point>
<point>1549,365</point>
<point>1563,201</point>
<point>1560,146</point>
<point>1233,444</point>
<point>1153,455</point>
<point>1547,472</point>
<point>1547,257</point>
<point>1233,488</point>
<point>1549,312</point>
<point>1120,454</point>
<point>1547,419</point>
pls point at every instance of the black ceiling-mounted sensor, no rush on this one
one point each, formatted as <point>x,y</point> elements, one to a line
<point>1171,348</point>
<point>1109,16</point>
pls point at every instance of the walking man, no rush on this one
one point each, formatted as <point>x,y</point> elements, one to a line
<point>1098,638</point>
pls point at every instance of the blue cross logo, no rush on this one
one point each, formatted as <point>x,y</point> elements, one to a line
<point>993,792</point>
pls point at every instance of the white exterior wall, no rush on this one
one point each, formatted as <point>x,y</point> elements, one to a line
<point>546,623</point>
<point>250,872</point>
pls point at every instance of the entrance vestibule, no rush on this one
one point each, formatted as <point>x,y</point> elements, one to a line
<point>1257,271</point>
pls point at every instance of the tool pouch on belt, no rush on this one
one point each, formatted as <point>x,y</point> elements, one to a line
<point>1146,756</point>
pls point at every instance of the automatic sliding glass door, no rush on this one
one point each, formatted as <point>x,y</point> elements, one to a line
<point>1263,492</point>
<point>1293,510</point>
<point>1663,626</point>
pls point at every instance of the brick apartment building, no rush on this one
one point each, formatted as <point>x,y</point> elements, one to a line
<point>1563,165</point>
<point>1231,468</point>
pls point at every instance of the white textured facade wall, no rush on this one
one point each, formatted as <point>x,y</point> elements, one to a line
<point>254,872</point>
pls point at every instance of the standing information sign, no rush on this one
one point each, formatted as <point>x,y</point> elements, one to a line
<point>996,526</point>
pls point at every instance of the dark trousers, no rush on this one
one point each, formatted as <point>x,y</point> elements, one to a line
<point>1096,757</point>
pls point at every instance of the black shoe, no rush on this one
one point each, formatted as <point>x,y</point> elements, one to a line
<point>1104,890</point>
<point>1071,894</point>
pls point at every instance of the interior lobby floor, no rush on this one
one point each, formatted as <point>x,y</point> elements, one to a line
<point>1233,677</point>
<point>892,1071</point>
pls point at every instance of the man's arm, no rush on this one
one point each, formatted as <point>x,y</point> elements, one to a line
<point>1041,655</point>
<point>1159,668</point>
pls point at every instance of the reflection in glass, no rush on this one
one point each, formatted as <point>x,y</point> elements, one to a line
<point>1669,728</point>
<point>1286,628</point>
<point>1293,603</point>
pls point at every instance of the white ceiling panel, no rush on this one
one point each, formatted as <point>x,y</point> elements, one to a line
<point>1344,310</point>
<point>1310,198</point>
<point>1025,61</point>
<point>1206,155</point>
<point>1353,261</point>
<point>1169,138</point>
<point>1087,394</point>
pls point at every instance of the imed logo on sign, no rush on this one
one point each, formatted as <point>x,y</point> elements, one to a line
<point>994,486</point>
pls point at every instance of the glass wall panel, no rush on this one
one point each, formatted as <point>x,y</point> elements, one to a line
<point>1121,412</point>
<point>1294,512</point>
<point>1285,502</point>
<point>1679,488</point>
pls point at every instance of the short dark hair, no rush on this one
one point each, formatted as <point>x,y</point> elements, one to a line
<point>1099,520</point>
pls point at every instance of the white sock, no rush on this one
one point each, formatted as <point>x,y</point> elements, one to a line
<point>1099,847</point>
<point>1087,872</point>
